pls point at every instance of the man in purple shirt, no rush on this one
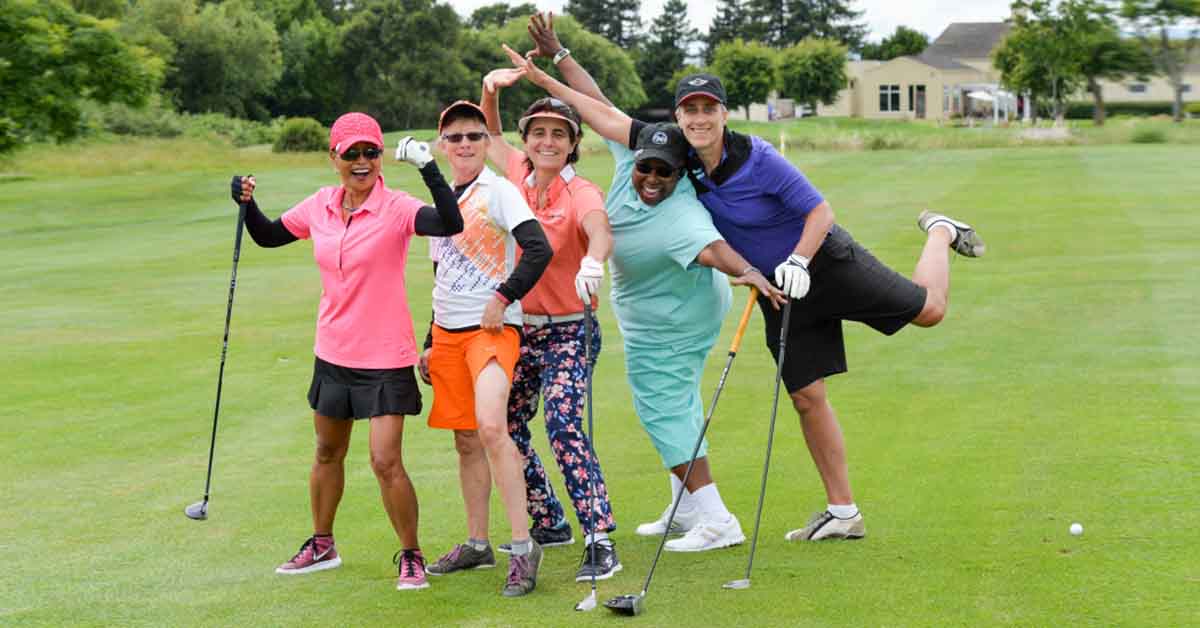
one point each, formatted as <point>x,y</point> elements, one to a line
<point>768,211</point>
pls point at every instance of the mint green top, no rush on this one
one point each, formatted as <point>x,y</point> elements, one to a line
<point>661,296</point>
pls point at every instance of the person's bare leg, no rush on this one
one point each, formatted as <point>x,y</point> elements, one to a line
<point>399,498</point>
<point>823,435</point>
<point>700,477</point>
<point>933,274</point>
<point>327,479</point>
<point>491,403</point>
<point>476,481</point>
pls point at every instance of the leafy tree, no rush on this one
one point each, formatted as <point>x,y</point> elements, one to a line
<point>101,8</point>
<point>615,20</point>
<point>1042,54</point>
<point>902,43</point>
<point>747,70</point>
<point>813,71</point>
<point>53,58</point>
<point>782,23</point>
<point>228,61</point>
<point>767,21</point>
<point>313,77</point>
<point>1105,53</point>
<point>612,68</point>
<point>499,13</point>
<point>728,24</point>
<point>664,52</point>
<point>1153,20</point>
<point>402,61</point>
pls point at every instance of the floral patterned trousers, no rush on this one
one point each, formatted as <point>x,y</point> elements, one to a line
<point>552,367</point>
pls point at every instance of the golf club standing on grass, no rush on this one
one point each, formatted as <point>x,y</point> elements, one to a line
<point>771,214</point>
<point>474,342</point>
<point>365,350</point>
<point>668,300</point>
<point>557,312</point>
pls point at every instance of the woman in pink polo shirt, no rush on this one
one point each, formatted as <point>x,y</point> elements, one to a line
<point>571,211</point>
<point>365,351</point>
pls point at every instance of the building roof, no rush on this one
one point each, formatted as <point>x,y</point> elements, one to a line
<point>968,40</point>
<point>940,62</point>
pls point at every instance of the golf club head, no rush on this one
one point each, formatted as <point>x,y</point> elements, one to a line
<point>744,583</point>
<point>588,603</point>
<point>197,511</point>
<point>626,605</point>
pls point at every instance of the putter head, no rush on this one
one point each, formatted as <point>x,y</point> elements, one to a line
<point>197,511</point>
<point>626,605</point>
<point>744,583</point>
<point>588,603</point>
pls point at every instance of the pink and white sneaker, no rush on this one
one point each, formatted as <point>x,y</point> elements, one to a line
<point>317,554</point>
<point>410,565</point>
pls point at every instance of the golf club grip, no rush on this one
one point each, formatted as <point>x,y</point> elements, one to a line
<point>741,328</point>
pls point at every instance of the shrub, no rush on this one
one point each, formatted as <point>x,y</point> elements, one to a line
<point>1148,135</point>
<point>239,132</point>
<point>153,120</point>
<point>301,135</point>
<point>1193,109</point>
<point>1084,110</point>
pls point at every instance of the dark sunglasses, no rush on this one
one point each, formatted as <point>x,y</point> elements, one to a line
<point>353,153</point>
<point>665,172</point>
<point>455,138</point>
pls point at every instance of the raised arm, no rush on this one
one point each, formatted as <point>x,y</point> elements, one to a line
<point>611,123</point>
<point>499,150</point>
<point>545,40</point>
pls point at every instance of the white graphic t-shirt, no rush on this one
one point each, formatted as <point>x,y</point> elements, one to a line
<point>472,264</point>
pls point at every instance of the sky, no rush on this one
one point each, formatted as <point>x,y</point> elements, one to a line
<point>882,16</point>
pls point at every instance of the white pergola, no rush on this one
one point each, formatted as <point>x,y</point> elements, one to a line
<point>1002,102</point>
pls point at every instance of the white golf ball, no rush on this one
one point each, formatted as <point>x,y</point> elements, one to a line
<point>1076,529</point>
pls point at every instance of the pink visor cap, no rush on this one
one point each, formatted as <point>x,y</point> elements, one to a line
<point>352,128</point>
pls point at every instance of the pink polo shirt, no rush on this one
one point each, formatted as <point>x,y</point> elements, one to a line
<point>569,198</point>
<point>363,319</point>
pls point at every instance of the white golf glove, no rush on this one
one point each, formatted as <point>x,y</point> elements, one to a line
<point>414,152</point>
<point>792,276</point>
<point>587,281</point>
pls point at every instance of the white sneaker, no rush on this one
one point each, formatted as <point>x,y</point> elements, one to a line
<point>709,534</point>
<point>685,519</point>
<point>824,525</point>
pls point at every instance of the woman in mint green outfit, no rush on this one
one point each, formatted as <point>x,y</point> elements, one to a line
<point>667,295</point>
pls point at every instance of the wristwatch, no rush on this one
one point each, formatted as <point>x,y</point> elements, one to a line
<point>562,53</point>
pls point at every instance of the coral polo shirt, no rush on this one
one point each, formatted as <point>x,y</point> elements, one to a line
<point>363,320</point>
<point>569,198</point>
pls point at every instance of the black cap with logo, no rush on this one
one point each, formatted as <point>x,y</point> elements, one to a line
<point>663,141</point>
<point>699,85</point>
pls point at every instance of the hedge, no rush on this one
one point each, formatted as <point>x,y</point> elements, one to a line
<point>1084,110</point>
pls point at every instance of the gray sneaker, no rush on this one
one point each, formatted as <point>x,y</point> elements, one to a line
<point>824,525</point>
<point>522,572</point>
<point>461,558</point>
<point>967,242</point>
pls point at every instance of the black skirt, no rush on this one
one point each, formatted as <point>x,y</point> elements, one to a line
<point>344,393</point>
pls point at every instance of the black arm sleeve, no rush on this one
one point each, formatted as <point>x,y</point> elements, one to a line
<point>635,129</point>
<point>535,256</point>
<point>266,233</point>
<point>444,218</point>
<point>429,334</point>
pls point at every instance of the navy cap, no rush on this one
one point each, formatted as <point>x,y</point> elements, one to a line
<point>699,85</point>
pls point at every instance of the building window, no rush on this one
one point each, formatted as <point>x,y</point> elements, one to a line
<point>1185,88</point>
<point>889,98</point>
<point>1137,88</point>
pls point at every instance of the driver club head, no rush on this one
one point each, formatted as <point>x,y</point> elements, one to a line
<point>744,583</point>
<point>588,603</point>
<point>197,511</point>
<point>630,605</point>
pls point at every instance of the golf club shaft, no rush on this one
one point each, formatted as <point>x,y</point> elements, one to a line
<point>762,489</point>
<point>237,253</point>
<point>587,357</point>
<point>733,349</point>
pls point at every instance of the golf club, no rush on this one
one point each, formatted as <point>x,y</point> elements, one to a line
<point>634,604</point>
<point>588,603</point>
<point>199,510</point>
<point>744,583</point>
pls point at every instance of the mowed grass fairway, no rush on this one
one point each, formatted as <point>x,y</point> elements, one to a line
<point>1062,387</point>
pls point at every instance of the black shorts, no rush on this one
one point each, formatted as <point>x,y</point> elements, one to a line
<point>848,283</point>
<point>339,392</point>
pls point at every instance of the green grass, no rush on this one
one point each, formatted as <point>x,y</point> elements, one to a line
<point>1061,388</point>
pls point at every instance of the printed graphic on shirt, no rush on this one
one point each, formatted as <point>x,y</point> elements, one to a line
<point>474,259</point>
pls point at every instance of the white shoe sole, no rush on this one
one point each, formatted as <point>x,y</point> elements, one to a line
<point>321,566</point>
<point>738,540</point>
<point>411,587</point>
<point>606,576</point>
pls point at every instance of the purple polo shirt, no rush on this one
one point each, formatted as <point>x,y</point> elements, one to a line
<point>758,200</point>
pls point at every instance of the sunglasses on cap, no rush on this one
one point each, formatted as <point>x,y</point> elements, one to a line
<point>473,136</point>
<point>645,167</point>
<point>353,153</point>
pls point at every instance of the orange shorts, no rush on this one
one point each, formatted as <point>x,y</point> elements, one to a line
<point>455,362</point>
